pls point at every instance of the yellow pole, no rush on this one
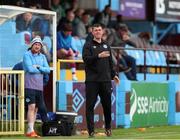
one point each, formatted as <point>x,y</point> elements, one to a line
<point>22,102</point>
<point>6,98</point>
<point>2,103</point>
<point>10,95</point>
<point>15,102</point>
<point>58,70</point>
<point>65,61</point>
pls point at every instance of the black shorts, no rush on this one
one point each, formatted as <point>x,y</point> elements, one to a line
<point>33,96</point>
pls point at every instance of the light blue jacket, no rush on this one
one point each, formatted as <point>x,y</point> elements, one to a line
<point>34,76</point>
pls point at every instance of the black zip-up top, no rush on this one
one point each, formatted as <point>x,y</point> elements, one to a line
<point>97,69</point>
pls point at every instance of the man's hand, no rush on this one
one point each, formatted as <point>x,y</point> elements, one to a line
<point>116,80</point>
<point>104,54</point>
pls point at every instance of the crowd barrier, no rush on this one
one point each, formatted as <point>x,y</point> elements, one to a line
<point>11,102</point>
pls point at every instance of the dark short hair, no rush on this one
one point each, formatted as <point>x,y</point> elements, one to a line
<point>67,27</point>
<point>107,6</point>
<point>85,13</point>
<point>122,27</point>
<point>98,25</point>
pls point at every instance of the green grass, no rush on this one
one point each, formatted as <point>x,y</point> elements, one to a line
<point>162,132</point>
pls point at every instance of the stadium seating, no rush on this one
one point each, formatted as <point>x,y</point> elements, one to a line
<point>48,42</point>
<point>13,45</point>
<point>151,77</point>
<point>9,27</point>
<point>154,57</point>
<point>78,43</point>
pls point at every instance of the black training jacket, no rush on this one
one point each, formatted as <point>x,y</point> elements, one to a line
<point>97,69</point>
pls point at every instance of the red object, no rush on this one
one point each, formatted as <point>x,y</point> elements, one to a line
<point>27,38</point>
<point>32,135</point>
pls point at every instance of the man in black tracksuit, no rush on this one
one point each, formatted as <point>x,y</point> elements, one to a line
<point>99,73</point>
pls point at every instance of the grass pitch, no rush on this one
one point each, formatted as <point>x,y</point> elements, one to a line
<point>161,132</point>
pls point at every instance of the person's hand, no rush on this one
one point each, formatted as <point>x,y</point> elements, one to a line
<point>104,54</point>
<point>125,37</point>
<point>76,54</point>
<point>89,29</point>
<point>70,52</point>
<point>116,80</point>
<point>36,66</point>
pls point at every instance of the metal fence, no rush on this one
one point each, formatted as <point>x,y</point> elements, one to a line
<point>145,51</point>
<point>11,102</point>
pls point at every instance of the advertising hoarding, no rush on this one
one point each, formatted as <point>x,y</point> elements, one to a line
<point>133,9</point>
<point>167,10</point>
<point>149,104</point>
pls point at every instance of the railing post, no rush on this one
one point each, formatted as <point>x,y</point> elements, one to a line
<point>145,65</point>
<point>117,66</point>
<point>167,68</point>
<point>21,98</point>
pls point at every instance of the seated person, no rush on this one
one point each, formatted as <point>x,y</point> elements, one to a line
<point>127,63</point>
<point>34,24</point>
<point>65,49</point>
<point>43,25</point>
<point>81,29</point>
<point>25,22</point>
